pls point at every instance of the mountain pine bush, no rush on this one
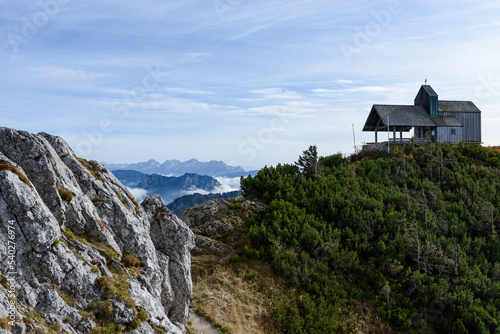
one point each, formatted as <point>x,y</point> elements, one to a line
<point>413,234</point>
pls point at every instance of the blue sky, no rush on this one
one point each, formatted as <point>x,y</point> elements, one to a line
<point>251,83</point>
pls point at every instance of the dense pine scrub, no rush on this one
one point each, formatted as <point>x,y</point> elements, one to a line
<point>411,234</point>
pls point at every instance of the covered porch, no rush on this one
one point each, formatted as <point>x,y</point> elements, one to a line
<point>389,122</point>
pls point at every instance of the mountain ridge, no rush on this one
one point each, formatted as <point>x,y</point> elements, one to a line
<point>168,187</point>
<point>176,167</point>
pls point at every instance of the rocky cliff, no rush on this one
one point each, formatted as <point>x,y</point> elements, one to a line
<point>78,254</point>
<point>219,224</point>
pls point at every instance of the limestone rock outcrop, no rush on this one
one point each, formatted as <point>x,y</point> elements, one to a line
<point>78,254</point>
<point>219,224</point>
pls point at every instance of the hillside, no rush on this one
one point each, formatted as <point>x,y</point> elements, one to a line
<point>374,243</point>
<point>232,293</point>
<point>234,287</point>
<point>78,253</point>
<point>410,238</point>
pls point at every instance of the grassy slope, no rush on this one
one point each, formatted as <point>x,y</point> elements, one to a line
<point>396,263</point>
<point>239,293</point>
<point>234,295</point>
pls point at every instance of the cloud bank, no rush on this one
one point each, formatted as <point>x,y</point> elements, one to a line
<point>138,193</point>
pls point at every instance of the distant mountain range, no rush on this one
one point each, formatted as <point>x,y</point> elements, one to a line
<point>178,168</point>
<point>168,187</point>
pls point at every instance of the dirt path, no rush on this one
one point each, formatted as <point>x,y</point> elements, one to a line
<point>201,325</point>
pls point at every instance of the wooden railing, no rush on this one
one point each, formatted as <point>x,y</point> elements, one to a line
<point>400,141</point>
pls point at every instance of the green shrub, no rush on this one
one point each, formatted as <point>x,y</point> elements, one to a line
<point>117,286</point>
<point>16,171</point>
<point>109,328</point>
<point>104,282</point>
<point>158,329</point>
<point>235,258</point>
<point>129,260</point>
<point>70,235</point>
<point>235,206</point>
<point>132,263</point>
<point>85,164</point>
<point>423,221</point>
<point>55,327</point>
<point>250,276</point>
<point>98,201</point>
<point>249,253</point>
<point>4,323</point>
<point>95,166</point>
<point>66,195</point>
<point>142,315</point>
<point>133,324</point>
<point>92,168</point>
<point>103,310</point>
<point>225,329</point>
<point>69,300</point>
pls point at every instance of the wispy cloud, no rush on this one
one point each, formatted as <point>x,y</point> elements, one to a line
<point>226,185</point>
<point>371,89</point>
<point>292,109</point>
<point>267,91</point>
<point>187,91</point>
<point>442,33</point>
<point>258,28</point>
<point>344,82</point>
<point>275,93</point>
<point>63,73</point>
<point>323,92</point>
<point>361,89</point>
<point>138,193</point>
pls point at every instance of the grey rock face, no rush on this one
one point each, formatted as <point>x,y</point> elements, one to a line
<point>77,252</point>
<point>218,224</point>
<point>173,238</point>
